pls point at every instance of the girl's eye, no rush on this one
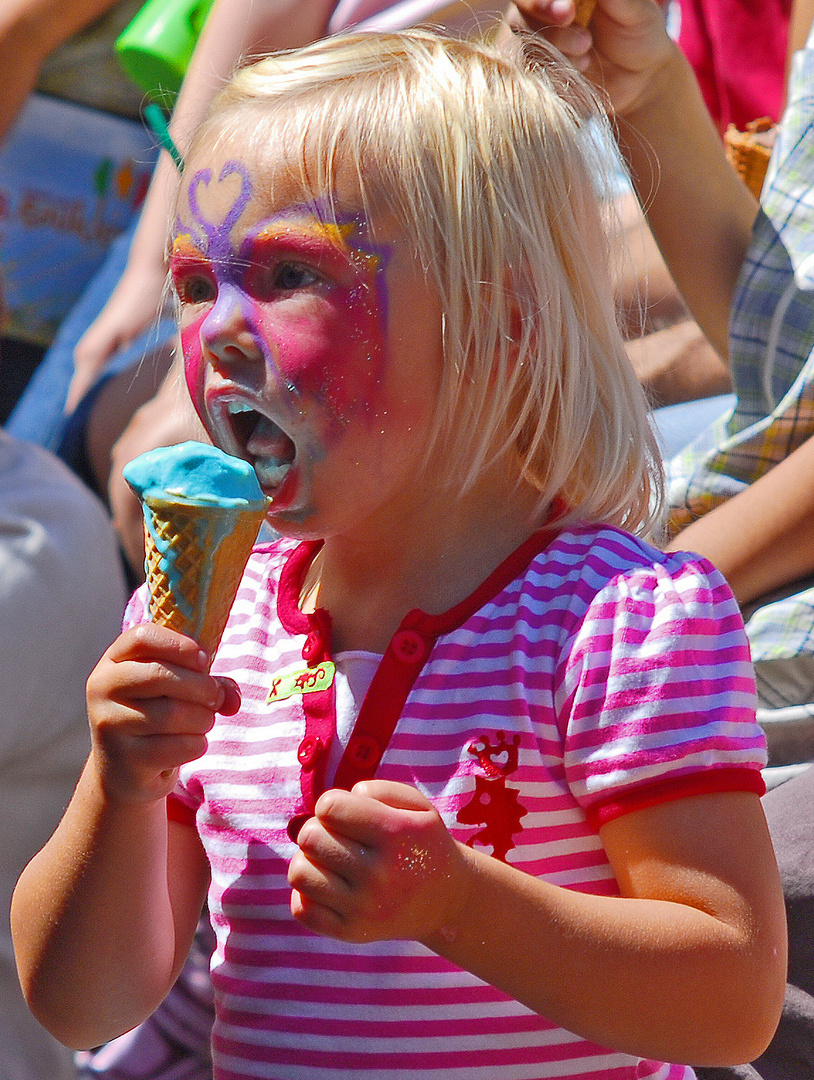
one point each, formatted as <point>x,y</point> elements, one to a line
<point>196,289</point>
<point>288,276</point>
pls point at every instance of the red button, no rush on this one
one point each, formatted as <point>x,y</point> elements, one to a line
<point>309,750</point>
<point>311,647</point>
<point>363,752</point>
<point>409,646</point>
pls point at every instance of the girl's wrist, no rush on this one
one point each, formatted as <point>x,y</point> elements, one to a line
<point>459,892</point>
<point>127,792</point>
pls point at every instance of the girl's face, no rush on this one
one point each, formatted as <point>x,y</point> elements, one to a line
<point>311,348</point>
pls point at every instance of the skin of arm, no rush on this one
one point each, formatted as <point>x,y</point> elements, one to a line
<point>29,31</point>
<point>104,915</point>
<point>234,32</point>
<point>698,932</point>
<point>802,17</point>
<point>670,355</point>
<point>678,364</point>
<point>701,216</point>
<point>760,539</point>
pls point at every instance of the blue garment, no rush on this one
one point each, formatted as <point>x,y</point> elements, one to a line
<point>39,415</point>
<point>678,425</point>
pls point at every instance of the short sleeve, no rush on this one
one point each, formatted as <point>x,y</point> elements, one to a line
<point>659,691</point>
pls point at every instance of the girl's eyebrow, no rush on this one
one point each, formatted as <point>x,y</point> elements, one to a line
<point>306,235</point>
<point>295,233</point>
<point>302,230</point>
<point>184,248</point>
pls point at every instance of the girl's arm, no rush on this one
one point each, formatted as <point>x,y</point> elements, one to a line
<point>700,212</point>
<point>760,539</point>
<point>688,965</point>
<point>104,915</point>
<point>234,32</point>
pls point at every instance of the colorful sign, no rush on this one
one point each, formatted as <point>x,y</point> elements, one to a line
<point>71,179</point>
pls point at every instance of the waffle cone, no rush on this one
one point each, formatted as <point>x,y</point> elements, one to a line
<point>748,153</point>
<point>585,9</point>
<point>194,559</point>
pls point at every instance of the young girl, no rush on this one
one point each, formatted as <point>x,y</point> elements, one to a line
<point>487,801</point>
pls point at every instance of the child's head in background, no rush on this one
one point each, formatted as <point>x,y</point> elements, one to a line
<point>482,166</point>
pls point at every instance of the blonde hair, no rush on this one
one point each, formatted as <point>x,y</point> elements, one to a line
<point>489,161</point>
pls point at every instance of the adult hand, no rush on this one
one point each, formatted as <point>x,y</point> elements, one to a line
<point>623,50</point>
<point>134,304</point>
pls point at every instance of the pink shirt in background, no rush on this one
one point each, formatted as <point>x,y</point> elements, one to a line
<point>374,15</point>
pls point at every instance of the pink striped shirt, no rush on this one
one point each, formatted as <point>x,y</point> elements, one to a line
<point>582,680</point>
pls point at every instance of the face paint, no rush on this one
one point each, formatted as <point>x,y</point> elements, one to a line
<point>308,292</point>
<point>186,258</point>
<point>311,350</point>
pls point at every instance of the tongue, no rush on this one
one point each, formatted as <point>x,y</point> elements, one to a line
<point>269,442</point>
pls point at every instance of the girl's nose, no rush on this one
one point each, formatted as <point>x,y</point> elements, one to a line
<point>230,332</point>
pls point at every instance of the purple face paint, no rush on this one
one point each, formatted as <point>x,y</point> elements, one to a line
<point>305,290</point>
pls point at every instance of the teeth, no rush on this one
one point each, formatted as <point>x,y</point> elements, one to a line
<point>269,449</point>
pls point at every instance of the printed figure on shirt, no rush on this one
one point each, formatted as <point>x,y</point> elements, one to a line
<point>473,783</point>
<point>493,804</point>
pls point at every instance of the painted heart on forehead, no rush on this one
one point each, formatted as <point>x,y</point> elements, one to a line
<point>216,236</point>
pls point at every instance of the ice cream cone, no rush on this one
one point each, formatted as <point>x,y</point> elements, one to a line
<point>585,9</point>
<point>194,559</point>
<point>749,151</point>
<point>202,512</point>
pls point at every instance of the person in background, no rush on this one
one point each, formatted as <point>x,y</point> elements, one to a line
<point>62,596</point>
<point>64,47</point>
<point>63,50</point>
<point>747,500</point>
<point>740,54</point>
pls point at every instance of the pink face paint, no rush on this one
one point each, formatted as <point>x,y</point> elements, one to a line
<point>332,355</point>
<point>324,343</point>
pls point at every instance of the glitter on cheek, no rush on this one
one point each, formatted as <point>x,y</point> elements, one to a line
<point>337,356</point>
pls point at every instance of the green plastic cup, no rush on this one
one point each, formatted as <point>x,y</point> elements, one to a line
<point>156,47</point>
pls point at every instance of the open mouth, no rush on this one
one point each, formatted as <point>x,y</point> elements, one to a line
<point>262,442</point>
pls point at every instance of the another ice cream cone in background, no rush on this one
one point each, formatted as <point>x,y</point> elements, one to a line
<point>585,9</point>
<point>749,151</point>
<point>202,512</point>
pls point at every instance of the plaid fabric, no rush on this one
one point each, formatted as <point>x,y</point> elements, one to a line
<point>772,357</point>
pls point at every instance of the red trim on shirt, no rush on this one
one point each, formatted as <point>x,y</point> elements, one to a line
<point>398,670</point>
<point>179,811</point>
<point>408,651</point>
<point>709,782</point>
